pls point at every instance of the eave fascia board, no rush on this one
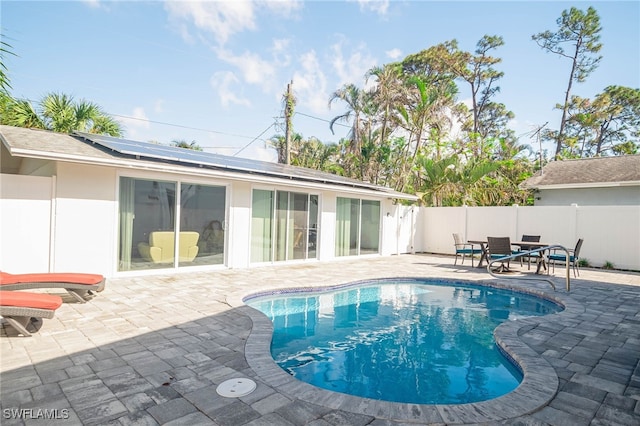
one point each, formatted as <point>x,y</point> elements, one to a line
<point>587,185</point>
<point>220,174</point>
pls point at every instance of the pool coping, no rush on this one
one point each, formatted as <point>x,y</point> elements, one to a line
<point>539,385</point>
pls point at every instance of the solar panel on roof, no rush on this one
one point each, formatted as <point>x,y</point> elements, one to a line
<point>182,155</point>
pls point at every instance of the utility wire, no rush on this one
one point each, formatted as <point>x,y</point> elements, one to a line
<point>254,139</point>
<point>320,119</point>
<point>180,126</point>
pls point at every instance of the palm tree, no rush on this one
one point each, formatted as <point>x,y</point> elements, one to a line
<point>60,113</point>
<point>193,145</point>
<point>388,94</point>
<point>5,49</point>
<point>357,101</point>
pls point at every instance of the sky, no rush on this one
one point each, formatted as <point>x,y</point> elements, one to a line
<point>215,72</point>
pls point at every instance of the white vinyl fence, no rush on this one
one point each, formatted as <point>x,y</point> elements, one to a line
<point>610,233</point>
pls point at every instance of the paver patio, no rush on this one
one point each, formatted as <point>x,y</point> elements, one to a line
<point>152,350</point>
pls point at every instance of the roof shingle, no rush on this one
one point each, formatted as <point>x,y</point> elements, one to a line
<point>595,171</point>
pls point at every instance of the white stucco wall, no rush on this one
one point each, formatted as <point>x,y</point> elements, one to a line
<point>608,196</point>
<point>84,237</point>
<point>239,240</point>
<point>25,223</point>
<point>327,225</point>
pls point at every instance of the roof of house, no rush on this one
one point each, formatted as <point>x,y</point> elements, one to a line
<point>588,172</point>
<point>107,151</point>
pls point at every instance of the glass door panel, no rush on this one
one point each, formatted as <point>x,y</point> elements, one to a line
<point>312,238</point>
<point>370,227</point>
<point>347,225</point>
<point>261,225</point>
<point>299,219</point>
<point>202,218</point>
<point>147,224</point>
<point>283,233</point>
<point>355,221</point>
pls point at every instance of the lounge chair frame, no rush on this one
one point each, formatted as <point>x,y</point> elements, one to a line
<point>19,317</point>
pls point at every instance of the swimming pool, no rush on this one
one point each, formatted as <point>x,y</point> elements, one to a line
<point>404,340</point>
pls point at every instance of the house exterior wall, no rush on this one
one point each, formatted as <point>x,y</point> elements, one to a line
<point>327,224</point>
<point>85,219</point>
<point>68,221</point>
<point>25,222</point>
<point>606,196</point>
<point>239,240</point>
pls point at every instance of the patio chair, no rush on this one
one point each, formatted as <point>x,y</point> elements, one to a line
<point>463,249</point>
<point>22,310</point>
<point>523,248</point>
<point>498,248</point>
<point>78,285</point>
<point>561,256</point>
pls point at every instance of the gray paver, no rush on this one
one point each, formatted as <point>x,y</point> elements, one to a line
<point>234,413</point>
<point>171,410</point>
<point>150,350</point>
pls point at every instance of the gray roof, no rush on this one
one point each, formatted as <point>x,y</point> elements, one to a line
<point>32,143</point>
<point>588,172</point>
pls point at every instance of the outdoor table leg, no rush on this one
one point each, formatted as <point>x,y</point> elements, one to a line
<point>483,255</point>
<point>542,262</point>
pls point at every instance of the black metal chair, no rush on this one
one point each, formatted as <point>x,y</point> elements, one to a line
<point>573,258</point>
<point>523,248</point>
<point>498,248</point>
<point>463,249</point>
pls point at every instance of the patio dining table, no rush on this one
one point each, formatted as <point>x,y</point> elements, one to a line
<point>484,247</point>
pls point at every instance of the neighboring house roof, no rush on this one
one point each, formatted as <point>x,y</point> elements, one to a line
<point>101,150</point>
<point>588,173</point>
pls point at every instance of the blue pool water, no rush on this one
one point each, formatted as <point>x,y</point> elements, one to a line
<point>413,341</point>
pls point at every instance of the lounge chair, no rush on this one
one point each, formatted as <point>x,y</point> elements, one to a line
<point>77,284</point>
<point>19,308</point>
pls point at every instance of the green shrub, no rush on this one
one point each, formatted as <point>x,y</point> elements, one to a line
<point>608,265</point>
<point>583,263</point>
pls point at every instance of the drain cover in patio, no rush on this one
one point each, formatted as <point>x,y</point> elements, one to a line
<point>235,388</point>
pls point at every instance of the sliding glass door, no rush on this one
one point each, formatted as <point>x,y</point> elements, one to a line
<point>283,226</point>
<point>262,226</point>
<point>370,227</point>
<point>357,227</point>
<point>164,224</point>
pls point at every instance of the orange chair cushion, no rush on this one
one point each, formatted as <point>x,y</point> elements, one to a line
<point>30,300</point>
<point>54,277</point>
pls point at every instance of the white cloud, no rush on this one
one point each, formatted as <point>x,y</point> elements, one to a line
<point>158,106</point>
<point>253,68</point>
<point>223,19</point>
<point>310,84</point>
<point>280,52</point>
<point>286,8</point>
<point>351,68</point>
<point>381,7</point>
<point>220,18</point>
<point>222,82</point>
<point>92,3</point>
<point>135,122</point>
<point>138,118</point>
<point>394,54</point>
